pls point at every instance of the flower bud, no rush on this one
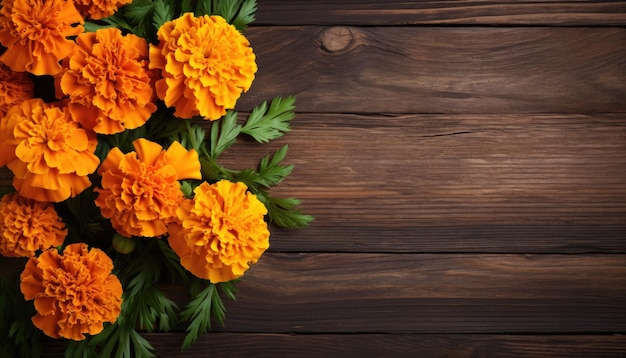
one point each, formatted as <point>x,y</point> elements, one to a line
<point>123,244</point>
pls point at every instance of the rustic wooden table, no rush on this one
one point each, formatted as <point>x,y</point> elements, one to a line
<point>466,165</point>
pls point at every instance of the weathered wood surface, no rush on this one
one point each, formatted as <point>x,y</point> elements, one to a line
<point>343,69</point>
<point>450,12</point>
<point>468,182</point>
<point>455,183</point>
<point>390,345</point>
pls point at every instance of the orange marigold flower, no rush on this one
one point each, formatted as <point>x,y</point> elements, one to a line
<point>27,226</point>
<point>220,232</point>
<point>35,34</point>
<point>205,63</point>
<point>99,9</point>
<point>74,292</point>
<point>48,153</point>
<point>15,87</point>
<point>140,190</point>
<point>108,81</point>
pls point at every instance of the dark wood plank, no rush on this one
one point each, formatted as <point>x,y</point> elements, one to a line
<point>453,183</point>
<point>441,69</point>
<point>417,12</point>
<point>381,345</point>
<point>424,293</point>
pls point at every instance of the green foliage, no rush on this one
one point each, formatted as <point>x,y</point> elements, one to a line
<point>18,336</point>
<point>283,212</point>
<point>239,13</point>
<point>163,12</point>
<point>265,124</point>
<point>224,132</point>
<point>206,306</point>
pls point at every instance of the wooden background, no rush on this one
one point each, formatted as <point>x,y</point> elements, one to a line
<point>466,165</point>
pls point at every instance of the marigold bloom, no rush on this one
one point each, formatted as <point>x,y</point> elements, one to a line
<point>27,226</point>
<point>15,87</point>
<point>140,190</point>
<point>99,9</point>
<point>49,154</point>
<point>205,63</point>
<point>108,81</point>
<point>35,34</point>
<point>220,232</point>
<point>74,292</point>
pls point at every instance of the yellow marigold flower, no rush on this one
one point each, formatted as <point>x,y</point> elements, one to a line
<point>27,226</point>
<point>35,34</point>
<point>205,63</point>
<point>49,154</point>
<point>99,9</point>
<point>108,81</point>
<point>220,232</point>
<point>74,292</point>
<point>15,87</point>
<point>140,190</point>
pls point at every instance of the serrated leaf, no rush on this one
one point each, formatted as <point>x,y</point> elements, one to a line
<point>224,132</point>
<point>163,12</point>
<point>204,7</point>
<point>265,124</point>
<point>139,10</point>
<point>282,212</point>
<point>186,6</point>
<point>139,14</point>
<point>246,15</point>
<point>270,169</point>
<point>199,313</point>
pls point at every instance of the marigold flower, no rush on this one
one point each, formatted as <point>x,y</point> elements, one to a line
<point>108,81</point>
<point>15,87</point>
<point>140,190</point>
<point>99,9</point>
<point>74,292</point>
<point>49,154</point>
<point>205,63</point>
<point>220,232</point>
<point>27,226</point>
<point>35,34</point>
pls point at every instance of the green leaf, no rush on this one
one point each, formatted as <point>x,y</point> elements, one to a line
<point>91,26</point>
<point>271,171</point>
<point>239,13</point>
<point>140,15</point>
<point>246,15</point>
<point>171,261</point>
<point>224,132</point>
<point>116,20</point>
<point>186,6</point>
<point>265,124</point>
<point>206,306</point>
<point>139,10</point>
<point>204,7</point>
<point>282,212</point>
<point>163,12</point>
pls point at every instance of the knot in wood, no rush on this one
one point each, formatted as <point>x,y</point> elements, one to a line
<point>336,39</point>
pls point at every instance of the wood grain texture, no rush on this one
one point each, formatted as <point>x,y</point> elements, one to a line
<point>429,293</point>
<point>462,183</point>
<point>406,345</point>
<point>417,12</point>
<point>382,345</point>
<point>441,69</point>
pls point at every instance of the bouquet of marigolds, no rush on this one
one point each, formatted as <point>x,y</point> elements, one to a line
<point>113,116</point>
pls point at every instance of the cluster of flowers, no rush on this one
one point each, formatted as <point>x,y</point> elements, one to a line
<point>106,82</point>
